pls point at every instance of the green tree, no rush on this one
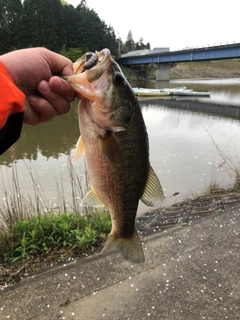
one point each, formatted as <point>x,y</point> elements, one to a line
<point>90,26</point>
<point>140,45</point>
<point>44,24</point>
<point>72,27</point>
<point>64,3</point>
<point>110,41</point>
<point>58,26</point>
<point>4,30</point>
<point>129,44</point>
<point>95,34</point>
<point>148,46</point>
<point>11,12</point>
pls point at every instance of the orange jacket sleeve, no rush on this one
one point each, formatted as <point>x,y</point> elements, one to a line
<point>11,110</point>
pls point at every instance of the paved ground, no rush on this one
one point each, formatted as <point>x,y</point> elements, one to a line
<point>191,272</point>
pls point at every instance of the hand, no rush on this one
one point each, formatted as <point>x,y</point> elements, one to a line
<point>33,72</point>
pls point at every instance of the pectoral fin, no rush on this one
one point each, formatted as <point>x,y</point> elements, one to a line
<point>153,193</point>
<point>80,150</point>
<point>108,147</point>
<point>91,199</point>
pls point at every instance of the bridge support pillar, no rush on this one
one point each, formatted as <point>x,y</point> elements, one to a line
<point>163,71</point>
<point>162,74</point>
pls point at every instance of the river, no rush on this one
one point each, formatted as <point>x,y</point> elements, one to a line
<point>189,149</point>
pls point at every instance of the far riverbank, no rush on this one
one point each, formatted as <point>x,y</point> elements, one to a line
<point>206,70</point>
<point>221,69</point>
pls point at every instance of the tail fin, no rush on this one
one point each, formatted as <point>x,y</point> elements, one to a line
<point>130,248</point>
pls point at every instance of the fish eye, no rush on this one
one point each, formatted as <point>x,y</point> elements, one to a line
<point>118,78</point>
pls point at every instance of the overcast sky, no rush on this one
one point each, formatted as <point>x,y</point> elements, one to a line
<point>174,23</point>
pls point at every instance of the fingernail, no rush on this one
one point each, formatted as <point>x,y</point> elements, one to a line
<point>43,87</point>
<point>32,99</point>
<point>57,84</point>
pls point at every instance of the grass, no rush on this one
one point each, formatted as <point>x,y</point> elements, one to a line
<point>232,164</point>
<point>206,69</point>
<point>37,243</point>
<point>29,238</point>
<point>33,235</point>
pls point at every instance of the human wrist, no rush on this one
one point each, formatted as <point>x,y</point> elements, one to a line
<point>6,63</point>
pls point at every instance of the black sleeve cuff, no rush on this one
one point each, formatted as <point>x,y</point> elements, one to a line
<point>11,131</point>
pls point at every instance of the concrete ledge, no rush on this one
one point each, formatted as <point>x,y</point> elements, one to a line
<point>190,272</point>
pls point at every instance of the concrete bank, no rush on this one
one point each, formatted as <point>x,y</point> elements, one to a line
<point>191,272</point>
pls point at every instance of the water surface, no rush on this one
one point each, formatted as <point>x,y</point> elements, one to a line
<point>189,150</point>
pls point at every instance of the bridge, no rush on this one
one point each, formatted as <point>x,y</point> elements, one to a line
<point>163,61</point>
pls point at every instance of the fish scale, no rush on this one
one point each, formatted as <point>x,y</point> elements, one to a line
<point>115,143</point>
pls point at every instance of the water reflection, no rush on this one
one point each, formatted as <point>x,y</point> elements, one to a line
<point>198,105</point>
<point>224,91</point>
<point>188,149</point>
<point>191,150</point>
<point>50,140</point>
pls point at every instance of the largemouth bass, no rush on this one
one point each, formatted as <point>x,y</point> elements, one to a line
<point>115,143</point>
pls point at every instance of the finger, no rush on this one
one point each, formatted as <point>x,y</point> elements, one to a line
<point>30,115</point>
<point>39,110</point>
<point>62,87</point>
<point>60,64</point>
<point>58,102</point>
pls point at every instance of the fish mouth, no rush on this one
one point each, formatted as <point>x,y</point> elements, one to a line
<point>93,64</point>
<point>87,71</point>
<point>86,62</point>
<point>98,78</point>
